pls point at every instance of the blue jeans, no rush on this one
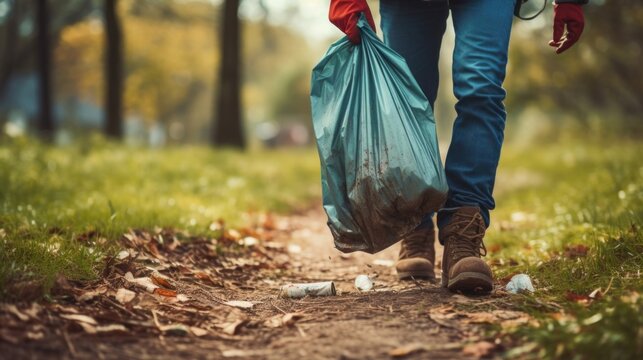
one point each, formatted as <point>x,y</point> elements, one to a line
<point>414,28</point>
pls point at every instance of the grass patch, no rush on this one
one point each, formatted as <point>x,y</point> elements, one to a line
<point>574,230</point>
<point>50,196</point>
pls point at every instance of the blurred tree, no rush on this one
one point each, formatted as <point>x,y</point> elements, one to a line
<point>595,83</point>
<point>17,41</point>
<point>228,125</point>
<point>45,118</point>
<point>113,71</point>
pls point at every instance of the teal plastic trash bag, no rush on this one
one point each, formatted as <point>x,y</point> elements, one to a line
<point>380,163</point>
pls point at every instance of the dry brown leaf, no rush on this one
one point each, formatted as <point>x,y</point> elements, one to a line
<point>111,328</point>
<point>142,282</point>
<point>14,310</point>
<point>479,350</point>
<point>88,295</point>
<point>197,331</point>
<point>124,296</point>
<point>80,318</point>
<point>231,328</point>
<point>240,304</point>
<point>35,335</point>
<point>165,292</point>
<point>481,318</point>
<point>461,299</point>
<point>407,350</point>
<point>283,320</point>
<point>161,280</point>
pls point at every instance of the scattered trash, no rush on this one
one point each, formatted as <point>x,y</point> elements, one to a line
<point>296,291</point>
<point>363,283</point>
<point>518,283</point>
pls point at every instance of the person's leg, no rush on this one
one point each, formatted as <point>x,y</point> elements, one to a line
<point>482,29</point>
<point>414,29</point>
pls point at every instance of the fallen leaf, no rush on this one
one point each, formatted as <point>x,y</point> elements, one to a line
<point>111,328</point>
<point>182,298</point>
<point>14,310</point>
<point>197,331</point>
<point>165,292</point>
<point>240,304</point>
<point>80,318</point>
<point>479,350</point>
<point>175,329</point>
<point>124,296</point>
<point>124,254</point>
<point>35,335</point>
<point>283,320</point>
<point>461,299</point>
<point>407,350</point>
<point>88,295</point>
<point>231,328</point>
<point>596,294</point>
<point>579,298</point>
<point>161,280</point>
<point>142,282</point>
<point>575,251</point>
<point>481,318</point>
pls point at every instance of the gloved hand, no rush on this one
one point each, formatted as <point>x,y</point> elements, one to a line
<point>571,15</point>
<point>345,13</point>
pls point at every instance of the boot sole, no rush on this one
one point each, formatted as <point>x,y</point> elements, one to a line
<point>419,274</point>
<point>471,282</point>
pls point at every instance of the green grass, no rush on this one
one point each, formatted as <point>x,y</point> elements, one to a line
<point>549,198</point>
<point>589,195</point>
<point>51,195</point>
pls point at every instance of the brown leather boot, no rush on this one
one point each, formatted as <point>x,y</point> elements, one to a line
<point>462,268</point>
<point>417,255</point>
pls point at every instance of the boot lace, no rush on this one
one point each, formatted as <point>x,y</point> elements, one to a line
<point>468,241</point>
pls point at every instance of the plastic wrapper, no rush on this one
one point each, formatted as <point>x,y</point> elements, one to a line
<point>375,132</point>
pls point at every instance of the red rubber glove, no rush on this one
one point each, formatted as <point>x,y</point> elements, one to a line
<point>570,15</point>
<point>345,13</point>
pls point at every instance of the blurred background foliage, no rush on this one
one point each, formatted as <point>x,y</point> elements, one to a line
<point>172,57</point>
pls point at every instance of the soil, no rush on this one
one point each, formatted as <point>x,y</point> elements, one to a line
<point>189,319</point>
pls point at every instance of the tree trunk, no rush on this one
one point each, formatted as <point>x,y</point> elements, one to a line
<point>45,124</point>
<point>228,125</point>
<point>113,72</point>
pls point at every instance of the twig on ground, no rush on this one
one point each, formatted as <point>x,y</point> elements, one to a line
<point>70,346</point>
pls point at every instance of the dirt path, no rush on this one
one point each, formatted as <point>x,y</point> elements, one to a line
<point>408,319</point>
